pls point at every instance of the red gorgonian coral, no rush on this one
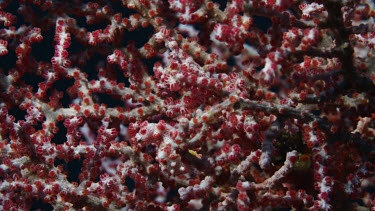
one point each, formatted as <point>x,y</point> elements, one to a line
<point>187,105</point>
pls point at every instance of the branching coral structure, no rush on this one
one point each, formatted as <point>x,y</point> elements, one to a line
<point>187,105</point>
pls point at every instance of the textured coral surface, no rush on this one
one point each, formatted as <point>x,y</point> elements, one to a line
<point>187,105</point>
